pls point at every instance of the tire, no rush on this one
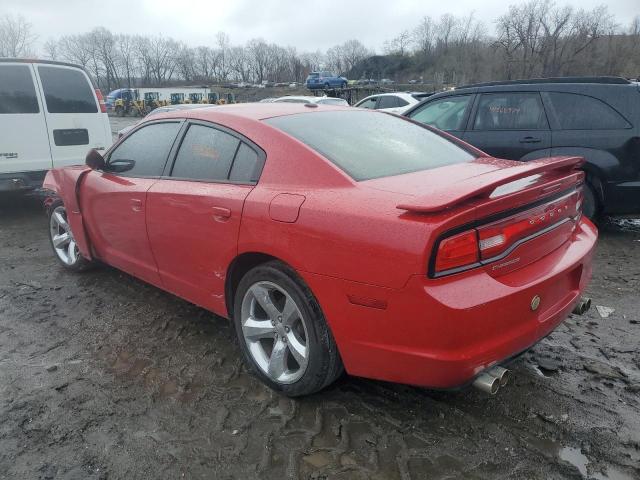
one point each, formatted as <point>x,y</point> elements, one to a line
<point>343,85</point>
<point>327,86</point>
<point>590,204</point>
<point>273,311</point>
<point>66,251</point>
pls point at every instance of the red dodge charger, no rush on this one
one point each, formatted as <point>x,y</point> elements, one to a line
<point>336,239</point>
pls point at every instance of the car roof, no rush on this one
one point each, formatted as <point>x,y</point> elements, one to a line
<point>252,111</point>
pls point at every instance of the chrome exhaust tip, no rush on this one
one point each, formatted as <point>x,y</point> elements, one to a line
<point>487,383</point>
<point>583,306</point>
<point>502,374</point>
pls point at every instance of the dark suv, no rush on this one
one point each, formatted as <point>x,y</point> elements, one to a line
<point>597,118</point>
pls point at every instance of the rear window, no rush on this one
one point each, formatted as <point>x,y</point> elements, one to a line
<point>333,101</point>
<point>369,145</point>
<point>67,90</point>
<point>579,112</point>
<point>314,75</point>
<point>17,93</point>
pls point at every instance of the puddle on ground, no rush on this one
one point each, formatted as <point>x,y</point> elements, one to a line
<point>575,457</point>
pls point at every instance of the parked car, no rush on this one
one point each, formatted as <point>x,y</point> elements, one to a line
<point>309,99</point>
<point>317,80</point>
<point>597,118</point>
<point>50,115</point>
<point>397,102</point>
<point>343,238</point>
<point>168,108</point>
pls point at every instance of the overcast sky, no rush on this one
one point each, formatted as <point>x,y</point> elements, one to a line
<point>308,26</point>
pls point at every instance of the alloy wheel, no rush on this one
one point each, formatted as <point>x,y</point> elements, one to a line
<point>62,239</point>
<point>275,332</point>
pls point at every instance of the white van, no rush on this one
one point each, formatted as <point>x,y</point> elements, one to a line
<point>50,116</point>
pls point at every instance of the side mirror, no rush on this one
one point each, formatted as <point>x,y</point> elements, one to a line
<point>94,160</point>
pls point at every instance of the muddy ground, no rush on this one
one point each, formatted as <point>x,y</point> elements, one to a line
<point>103,376</point>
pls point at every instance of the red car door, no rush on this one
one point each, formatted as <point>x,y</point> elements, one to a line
<point>114,200</point>
<point>193,215</point>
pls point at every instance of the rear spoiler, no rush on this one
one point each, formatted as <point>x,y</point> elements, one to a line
<point>483,185</point>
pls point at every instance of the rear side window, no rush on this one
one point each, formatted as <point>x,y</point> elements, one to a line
<point>67,90</point>
<point>205,154</point>
<point>17,92</point>
<point>387,101</point>
<point>368,144</point>
<point>510,111</point>
<point>146,150</point>
<point>369,103</point>
<point>446,113</point>
<point>579,112</point>
<point>246,166</point>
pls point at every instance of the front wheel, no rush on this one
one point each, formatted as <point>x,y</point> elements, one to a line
<point>282,332</point>
<point>62,240</point>
<point>344,85</point>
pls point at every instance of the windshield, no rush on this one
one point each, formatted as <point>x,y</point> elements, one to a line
<point>369,145</point>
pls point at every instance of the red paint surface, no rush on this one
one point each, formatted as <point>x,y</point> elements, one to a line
<point>348,240</point>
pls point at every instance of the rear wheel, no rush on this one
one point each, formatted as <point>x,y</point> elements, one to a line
<point>327,86</point>
<point>591,205</point>
<point>282,332</point>
<point>62,240</point>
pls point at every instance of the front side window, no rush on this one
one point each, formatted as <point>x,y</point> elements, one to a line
<point>579,112</point>
<point>205,154</point>
<point>67,90</point>
<point>368,103</point>
<point>510,111</point>
<point>144,152</point>
<point>367,144</point>
<point>446,113</point>
<point>17,92</point>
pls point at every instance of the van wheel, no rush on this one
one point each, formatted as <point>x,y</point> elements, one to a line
<point>282,332</point>
<point>590,203</point>
<point>62,241</point>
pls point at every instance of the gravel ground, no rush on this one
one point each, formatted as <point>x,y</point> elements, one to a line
<point>103,376</point>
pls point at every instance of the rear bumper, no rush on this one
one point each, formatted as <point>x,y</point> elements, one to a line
<point>21,181</point>
<point>442,333</point>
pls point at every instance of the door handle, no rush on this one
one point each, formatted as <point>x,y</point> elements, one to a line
<point>530,140</point>
<point>221,214</point>
<point>136,204</point>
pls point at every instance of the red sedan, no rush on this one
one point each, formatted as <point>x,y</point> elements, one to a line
<point>336,238</point>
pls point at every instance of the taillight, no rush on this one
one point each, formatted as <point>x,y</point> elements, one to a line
<point>484,244</point>
<point>457,251</point>
<point>103,106</point>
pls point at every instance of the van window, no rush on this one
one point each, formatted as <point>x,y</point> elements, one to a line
<point>67,90</point>
<point>148,148</point>
<point>510,111</point>
<point>205,154</point>
<point>579,112</point>
<point>17,93</point>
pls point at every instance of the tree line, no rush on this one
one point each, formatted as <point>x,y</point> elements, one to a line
<point>532,39</point>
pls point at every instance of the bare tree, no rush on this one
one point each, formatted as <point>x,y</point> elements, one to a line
<point>16,36</point>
